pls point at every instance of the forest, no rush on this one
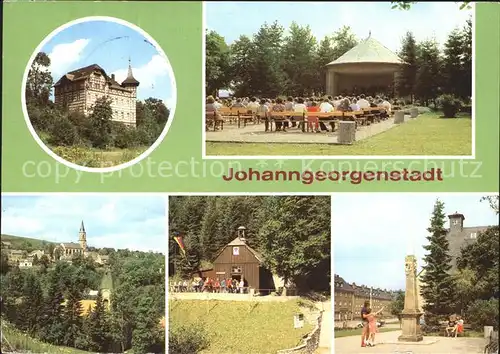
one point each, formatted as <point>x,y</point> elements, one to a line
<point>43,302</point>
<point>291,232</point>
<point>56,126</point>
<point>277,61</point>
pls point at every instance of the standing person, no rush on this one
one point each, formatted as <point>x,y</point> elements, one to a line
<point>372,326</point>
<point>242,286</point>
<point>223,285</point>
<point>364,320</point>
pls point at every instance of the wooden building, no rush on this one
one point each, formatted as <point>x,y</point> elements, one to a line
<point>239,261</point>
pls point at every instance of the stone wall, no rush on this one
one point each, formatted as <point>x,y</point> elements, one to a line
<point>310,343</point>
<point>229,297</point>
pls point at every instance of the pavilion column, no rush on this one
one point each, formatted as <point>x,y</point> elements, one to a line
<point>335,84</point>
<point>329,88</point>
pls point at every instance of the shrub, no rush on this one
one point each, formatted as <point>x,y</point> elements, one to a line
<point>187,339</point>
<point>483,313</point>
<point>79,156</point>
<point>63,133</point>
<point>450,105</point>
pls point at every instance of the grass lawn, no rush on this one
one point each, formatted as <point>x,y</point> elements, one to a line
<point>242,327</point>
<point>95,157</point>
<point>21,343</point>
<point>19,242</point>
<point>357,332</point>
<point>427,135</point>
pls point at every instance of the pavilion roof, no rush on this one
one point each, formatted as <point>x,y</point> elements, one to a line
<point>368,51</point>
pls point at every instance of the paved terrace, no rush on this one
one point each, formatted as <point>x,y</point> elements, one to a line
<point>387,343</point>
<point>229,297</point>
<point>254,133</point>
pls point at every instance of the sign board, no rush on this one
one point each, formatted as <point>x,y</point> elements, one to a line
<point>220,272</point>
<point>298,320</point>
<point>236,251</point>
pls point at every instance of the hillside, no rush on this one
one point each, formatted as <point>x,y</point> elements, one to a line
<point>15,341</point>
<point>239,326</point>
<point>25,243</point>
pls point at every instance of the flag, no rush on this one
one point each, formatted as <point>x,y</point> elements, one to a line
<point>179,241</point>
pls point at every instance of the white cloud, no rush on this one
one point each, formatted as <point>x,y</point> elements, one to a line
<point>64,55</point>
<point>147,74</point>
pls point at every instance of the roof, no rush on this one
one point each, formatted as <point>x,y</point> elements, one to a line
<point>71,245</point>
<point>82,227</point>
<point>362,290</point>
<point>368,51</point>
<point>241,242</point>
<point>341,285</point>
<point>84,73</point>
<point>130,80</point>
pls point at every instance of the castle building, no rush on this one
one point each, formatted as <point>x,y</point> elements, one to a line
<point>79,89</point>
<point>458,237</point>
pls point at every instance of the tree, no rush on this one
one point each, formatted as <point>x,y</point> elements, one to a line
<point>98,336</point>
<point>405,83</point>
<point>217,63</point>
<point>39,82</point>
<point>72,318</point>
<point>267,78</point>
<point>242,59</point>
<point>31,303</point>
<point>298,60</point>
<point>4,263</point>
<point>159,110</point>
<point>406,5</point>
<point>100,118</point>
<point>493,201</point>
<point>293,243</point>
<point>428,72</point>
<point>398,304</point>
<point>53,329</point>
<point>343,41</point>
<point>466,91</point>
<point>147,329</point>
<point>324,55</point>
<point>437,288</point>
<point>453,66</point>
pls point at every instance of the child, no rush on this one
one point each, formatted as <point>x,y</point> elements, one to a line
<point>372,326</point>
<point>311,118</point>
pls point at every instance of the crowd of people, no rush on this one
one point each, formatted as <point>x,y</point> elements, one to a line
<point>307,106</point>
<point>229,285</point>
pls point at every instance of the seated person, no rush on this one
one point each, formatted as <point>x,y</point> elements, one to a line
<point>238,104</point>
<point>311,119</point>
<point>451,328</point>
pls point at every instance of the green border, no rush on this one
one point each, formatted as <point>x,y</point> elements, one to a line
<point>177,27</point>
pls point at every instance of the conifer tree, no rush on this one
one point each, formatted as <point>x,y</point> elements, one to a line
<point>405,83</point>
<point>31,303</point>
<point>453,66</point>
<point>72,318</point>
<point>53,328</point>
<point>98,338</point>
<point>437,288</point>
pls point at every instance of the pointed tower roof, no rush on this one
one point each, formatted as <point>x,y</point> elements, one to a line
<point>368,51</point>
<point>82,227</point>
<point>130,80</point>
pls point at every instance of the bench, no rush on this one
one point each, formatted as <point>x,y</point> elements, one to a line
<point>282,117</point>
<point>237,114</point>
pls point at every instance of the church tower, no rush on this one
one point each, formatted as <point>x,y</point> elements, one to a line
<point>130,82</point>
<point>82,237</point>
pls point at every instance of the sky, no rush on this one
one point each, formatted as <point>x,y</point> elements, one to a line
<point>121,222</point>
<point>426,20</point>
<point>372,233</point>
<point>94,42</point>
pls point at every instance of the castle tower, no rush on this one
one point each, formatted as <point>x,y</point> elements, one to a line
<point>82,237</point>
<point>130,82</point>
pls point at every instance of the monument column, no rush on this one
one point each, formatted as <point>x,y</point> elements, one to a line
<point>411,312</point>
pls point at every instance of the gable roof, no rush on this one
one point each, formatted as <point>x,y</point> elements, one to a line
<point>368,51</point>
<point>71,245</point>
<point>241,242</point>
<point>83,74</point>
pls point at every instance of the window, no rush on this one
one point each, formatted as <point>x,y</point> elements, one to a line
<point>473,235</point>
<point>455,222</point>
<point>235,269</point>
<point>236,251</point>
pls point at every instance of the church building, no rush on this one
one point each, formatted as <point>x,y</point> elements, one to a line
<point>69,250</point>
<point>79,89</point>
